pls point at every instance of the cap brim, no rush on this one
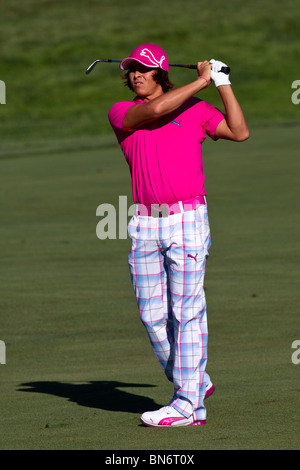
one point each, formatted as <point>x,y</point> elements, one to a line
<point>125,64</point>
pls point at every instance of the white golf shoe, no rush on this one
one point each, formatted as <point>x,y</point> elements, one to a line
<point>167,416</point>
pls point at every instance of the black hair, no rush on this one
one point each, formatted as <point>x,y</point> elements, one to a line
<point>161,77</point>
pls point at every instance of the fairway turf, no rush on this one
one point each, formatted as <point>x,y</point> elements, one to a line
<point>79,368</point>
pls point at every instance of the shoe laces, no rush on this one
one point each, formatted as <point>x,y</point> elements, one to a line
<point>168,409</point>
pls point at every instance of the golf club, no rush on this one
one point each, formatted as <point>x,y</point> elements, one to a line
<point>225,70</point>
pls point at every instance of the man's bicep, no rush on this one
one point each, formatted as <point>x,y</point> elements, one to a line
<point>137,115</point>
<point>222,131</point>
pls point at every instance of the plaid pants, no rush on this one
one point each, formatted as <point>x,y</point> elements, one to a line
<point>167,265</point>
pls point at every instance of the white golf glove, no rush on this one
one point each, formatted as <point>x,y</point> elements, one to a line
<point>219,78</point>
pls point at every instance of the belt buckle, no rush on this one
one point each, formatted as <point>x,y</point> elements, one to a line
<point>159,210</point>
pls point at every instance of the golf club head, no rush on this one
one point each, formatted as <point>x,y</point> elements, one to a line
<point>90,67</point>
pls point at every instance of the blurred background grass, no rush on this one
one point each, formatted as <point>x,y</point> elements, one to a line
<point>47,46</point>
<point>79,368</point>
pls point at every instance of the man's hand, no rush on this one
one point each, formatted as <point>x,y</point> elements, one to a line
<point>204,70</point>
<point>218,77</point>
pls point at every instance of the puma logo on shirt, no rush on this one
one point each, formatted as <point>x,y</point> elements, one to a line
<point>177,123</point>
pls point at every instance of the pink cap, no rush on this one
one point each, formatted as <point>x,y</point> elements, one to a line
<point>149,55</point>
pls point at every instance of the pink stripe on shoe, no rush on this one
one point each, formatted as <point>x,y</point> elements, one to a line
<point>209,391</point>
<point>170,421</point>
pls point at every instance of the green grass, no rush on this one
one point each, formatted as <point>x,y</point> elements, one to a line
<point>79,368</point>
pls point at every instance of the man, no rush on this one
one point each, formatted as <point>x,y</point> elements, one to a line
<point>160,133</point>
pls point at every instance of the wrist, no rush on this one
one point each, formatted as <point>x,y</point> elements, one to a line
<point>204,78</point>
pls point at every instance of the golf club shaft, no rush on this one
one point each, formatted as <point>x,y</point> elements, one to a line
<point>225,70</point>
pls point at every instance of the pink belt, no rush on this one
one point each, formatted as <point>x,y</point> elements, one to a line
<point>164,210</point>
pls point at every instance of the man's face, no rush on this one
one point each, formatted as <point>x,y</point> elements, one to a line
<point>142,81</point>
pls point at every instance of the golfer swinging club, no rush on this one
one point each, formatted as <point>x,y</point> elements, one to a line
<point>160,133</point>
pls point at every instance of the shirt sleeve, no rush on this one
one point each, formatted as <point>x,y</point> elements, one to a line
<point>116,116</point>
<point>118,112</point>
<point>211,119</point>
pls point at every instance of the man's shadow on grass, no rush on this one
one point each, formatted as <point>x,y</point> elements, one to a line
<point>103,395</point>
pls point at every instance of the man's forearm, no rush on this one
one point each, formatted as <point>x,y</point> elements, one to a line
<point>163,104</point>
<point>235,118</point>
<point>170,101</point>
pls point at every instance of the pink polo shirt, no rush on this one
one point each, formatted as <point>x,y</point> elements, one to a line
<point>165,155</point>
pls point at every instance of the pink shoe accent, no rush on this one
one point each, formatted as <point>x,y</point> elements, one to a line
<point>209,392</point>
<point>169,421</point>
<point>198,423</point>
